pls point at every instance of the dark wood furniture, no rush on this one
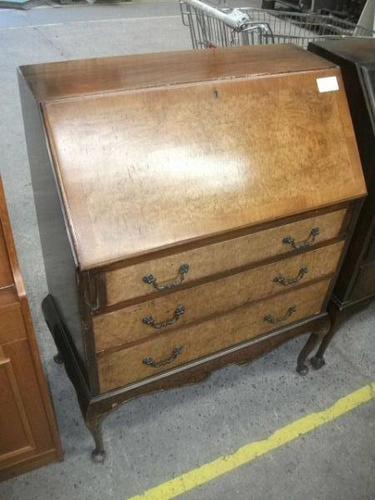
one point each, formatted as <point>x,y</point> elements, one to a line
<point>194,208</point>
<point>28,430</point>
<point>355,286</point>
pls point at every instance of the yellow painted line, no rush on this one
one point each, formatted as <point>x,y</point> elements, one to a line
<point>227,463</point>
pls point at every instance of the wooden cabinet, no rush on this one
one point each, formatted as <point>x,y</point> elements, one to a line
<point>16,434</point>
<point>202,203</point>
<point>356,283</point>
<point>28,431</point>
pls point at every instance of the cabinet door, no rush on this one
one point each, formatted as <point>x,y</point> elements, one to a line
<point>15,432</point>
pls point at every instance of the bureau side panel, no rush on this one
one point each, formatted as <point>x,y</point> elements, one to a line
<point>58,257</point>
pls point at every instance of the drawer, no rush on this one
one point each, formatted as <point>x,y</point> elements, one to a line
<point>188,305</point>
<point>365,283</point>
<point>138,280</point>
<point>6,277</point>
<point>153,356</point>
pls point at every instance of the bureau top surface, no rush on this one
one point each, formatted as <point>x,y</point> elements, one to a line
<point>143,169</point>
<point>86,76</point>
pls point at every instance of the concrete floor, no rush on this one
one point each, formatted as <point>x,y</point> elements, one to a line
<point>156,438</point>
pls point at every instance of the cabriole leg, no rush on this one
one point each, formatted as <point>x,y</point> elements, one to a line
<point>310,345</point>
<point>94,425</point>
<point>302,368</point>
<point>318,361</point>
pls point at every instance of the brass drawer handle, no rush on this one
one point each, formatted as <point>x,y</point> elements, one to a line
<point>303,245</point>
<point>282,280</point>
<point>149,320</point>
<point>271,319</point>
<point>157,364</point>
<point>151,280</point>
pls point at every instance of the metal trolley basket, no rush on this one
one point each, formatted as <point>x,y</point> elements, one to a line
<point>213,27</point>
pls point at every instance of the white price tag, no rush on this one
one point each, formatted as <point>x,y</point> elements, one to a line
<point>327,84</point>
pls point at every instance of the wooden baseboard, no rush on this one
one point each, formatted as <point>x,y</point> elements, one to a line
<point>31,463</point>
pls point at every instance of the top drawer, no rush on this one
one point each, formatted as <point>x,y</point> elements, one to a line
<point>170,271</point>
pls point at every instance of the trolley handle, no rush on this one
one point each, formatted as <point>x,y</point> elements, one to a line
<point>263,27</point>
<point>236,19</point>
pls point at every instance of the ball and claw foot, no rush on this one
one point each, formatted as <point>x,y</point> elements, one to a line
<point>98,456</point>
<point>58,359</point>
<point>317,362</point>
<point>302,370</point>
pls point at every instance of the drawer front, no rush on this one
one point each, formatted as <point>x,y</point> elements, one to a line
<point>186,344</point>
<point>185,306</point>
<point>146,277</point>
<point>6,277</point>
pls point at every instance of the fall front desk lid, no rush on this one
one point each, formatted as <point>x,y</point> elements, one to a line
<point>145,168</point>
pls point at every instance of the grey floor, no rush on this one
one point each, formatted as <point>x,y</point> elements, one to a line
<point>156,438</point>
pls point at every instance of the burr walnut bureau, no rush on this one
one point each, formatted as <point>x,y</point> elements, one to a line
<point>28,431</point>
<point>355,286</point>
<point>194,209</point>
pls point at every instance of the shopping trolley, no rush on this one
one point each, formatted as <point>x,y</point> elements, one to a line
<point>211,26</point>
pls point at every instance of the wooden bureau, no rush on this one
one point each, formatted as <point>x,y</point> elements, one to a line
<point>355,286</point>
<point>28,430</point>
<point>194,209</point>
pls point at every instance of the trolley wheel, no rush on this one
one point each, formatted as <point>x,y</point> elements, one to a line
<point>268,4</point>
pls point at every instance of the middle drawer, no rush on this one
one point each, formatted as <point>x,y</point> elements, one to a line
<point>136,322</point>
<point>159,354</point>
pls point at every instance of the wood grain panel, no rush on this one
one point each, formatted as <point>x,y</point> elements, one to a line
<point>170,181</point>
<point>123,367</point>
<point>11,321</point>
<point>126,283</point>
<point>23,369</point>
<point>127,325</point>
<point>6,277</point>
<point>15,432</point>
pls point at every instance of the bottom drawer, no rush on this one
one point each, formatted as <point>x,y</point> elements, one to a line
<point>175,348</point>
